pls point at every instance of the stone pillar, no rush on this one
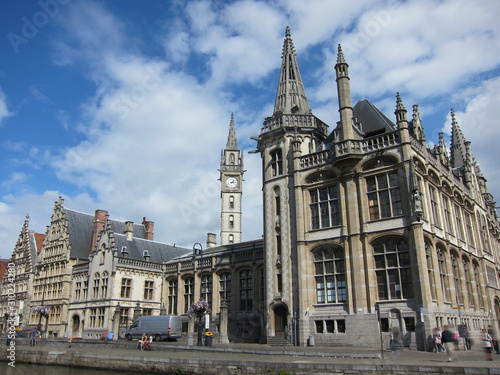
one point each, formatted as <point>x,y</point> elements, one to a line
<point>190,331</point>
<point>137,311</point>
<point>116,322</point>
<point>223,321</point>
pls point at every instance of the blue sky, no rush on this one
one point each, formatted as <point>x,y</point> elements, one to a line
<point>125,105</point>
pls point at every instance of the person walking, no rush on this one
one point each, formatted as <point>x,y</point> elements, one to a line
<point>437,340</point>
<point>34,335</point>
<point>488,345</point>
<point>448,341</point>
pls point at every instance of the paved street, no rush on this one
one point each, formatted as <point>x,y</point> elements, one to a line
<point>303,359</point>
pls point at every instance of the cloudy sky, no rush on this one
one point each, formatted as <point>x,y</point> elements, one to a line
<point>125,105</point>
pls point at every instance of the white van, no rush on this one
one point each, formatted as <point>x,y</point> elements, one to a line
<point>159,326</point>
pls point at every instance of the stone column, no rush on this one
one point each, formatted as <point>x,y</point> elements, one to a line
<point>137,311</point>
<point>116,322</point>
<point>190,331</point>
<point>223,321</point>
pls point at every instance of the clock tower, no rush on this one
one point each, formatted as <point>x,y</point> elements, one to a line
<point>231,178</point>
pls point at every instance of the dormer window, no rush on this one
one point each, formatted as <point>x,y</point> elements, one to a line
<point>146,255</point>
<point>124,251</point>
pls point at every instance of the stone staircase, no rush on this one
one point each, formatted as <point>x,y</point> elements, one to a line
<point>277,341</point>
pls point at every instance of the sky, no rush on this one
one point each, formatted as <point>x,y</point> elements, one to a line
<point>125,105</point>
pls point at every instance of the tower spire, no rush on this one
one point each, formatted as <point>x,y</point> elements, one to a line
<point>457,143</point>
<point>344,94</point>
<point>291,95</point>
<point>232,142</point>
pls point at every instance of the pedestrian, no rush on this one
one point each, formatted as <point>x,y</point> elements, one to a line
<point>494,335</point>
<point>143,340</point>
<point>488,345</point>
<point>33,335</point>
<point>437,341</point>
<point>448,341</point>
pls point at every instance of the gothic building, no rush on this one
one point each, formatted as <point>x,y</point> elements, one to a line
<point>367,217</point>
<point>23,260</point>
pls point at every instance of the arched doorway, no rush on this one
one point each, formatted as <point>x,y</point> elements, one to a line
<point>280,320</point>
<point>75,326</point>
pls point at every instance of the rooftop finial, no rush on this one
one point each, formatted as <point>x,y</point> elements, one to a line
<point>287,32</point>
<point>453,119</point>
<point>399,102</point>
<point>340,56</point>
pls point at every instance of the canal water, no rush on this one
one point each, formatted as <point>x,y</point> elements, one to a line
<point>29,369</point>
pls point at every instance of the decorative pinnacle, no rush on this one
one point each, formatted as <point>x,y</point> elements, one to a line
<point>287,32</point>
<point>340,56</point>
<point>399,103</point>
<point>453,119</point>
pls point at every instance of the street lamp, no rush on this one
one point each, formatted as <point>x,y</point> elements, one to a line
<point>198,250</point>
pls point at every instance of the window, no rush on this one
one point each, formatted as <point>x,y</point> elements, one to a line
<point>124,317</point>
<point>276,163</point>
<point>492,278</point>
<point>93,318</point>
<point>100,317</point>
<point>231,238</point>
<point>85,289</point>
<point>409,324</point>
<point>126,286</point>
<point>78,291</point>
<point>384,197</point>
<point>483,234</point>
<point>246,290</point>
<point>330,276</point>
<point>172,297</point>
<point>470,234</point>
<point>188,293</point>
<point>231,202</point>
<point>434,206</point>
<point>95,289</point>
<point>392,262</point>
<point>468,280</point>
<point>442,274</point>
<point>458,221</point>
<point>324,207</point>
<point>206,289</point>
<point>477,279</point>
<point>447,214</point>
<point>104,285</point>
<point>430,270</point>
<point>231,221</point>
<point>319,326</point>
<point>225,288</point>
<point>456,279</point>
<point>148,290</point>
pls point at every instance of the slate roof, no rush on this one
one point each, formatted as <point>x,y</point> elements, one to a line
<point>158,252</point>
<point>371,118</point>
<point>80,226</point>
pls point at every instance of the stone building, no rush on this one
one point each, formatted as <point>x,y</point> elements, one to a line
<point>70,240</point>
<point>23,260</point>
<point>367,217</point>
<point>122,280</point>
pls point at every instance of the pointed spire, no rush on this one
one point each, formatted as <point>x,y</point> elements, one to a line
<point>417,128</point>
<point>291,96</point>
<point>232,142</point>
<point>340,56</point>
<point>400,110</point>
<point>458,150</point>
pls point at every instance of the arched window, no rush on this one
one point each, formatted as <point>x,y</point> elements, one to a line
<point>456,279</point>
<point>231,202</point>
<point>188,293</point>
<point>468,280</point>
<point>384,197</point>
<point>477,279</point>
<point>231,238</point>
<point>276,162</point>
<point>104,285</point>
<point>324,207</point>
<point>231,221</point>
<point>206,289</point>
<point>392,262</point>
<point>172,297</point>
<point>330,275</point>
<point>246,290</point>
<point>443,274</point>
<point>95,289</point>
<point>225,288</point>
<point>430,271</point>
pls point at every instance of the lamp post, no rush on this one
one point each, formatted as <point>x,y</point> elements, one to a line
<point>198,250</point>
<point>40,269</point>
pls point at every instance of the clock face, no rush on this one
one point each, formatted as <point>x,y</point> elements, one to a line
<point>231,182</point>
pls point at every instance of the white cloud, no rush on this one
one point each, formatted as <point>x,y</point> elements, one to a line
<point>4,111</point>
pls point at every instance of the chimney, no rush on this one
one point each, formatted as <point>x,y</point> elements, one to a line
<point>211,240</point>
<point>150,228</point>
<point>129,230</point>
<point>100,217</point>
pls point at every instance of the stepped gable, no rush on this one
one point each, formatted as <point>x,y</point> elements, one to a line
<point>158,252</point>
